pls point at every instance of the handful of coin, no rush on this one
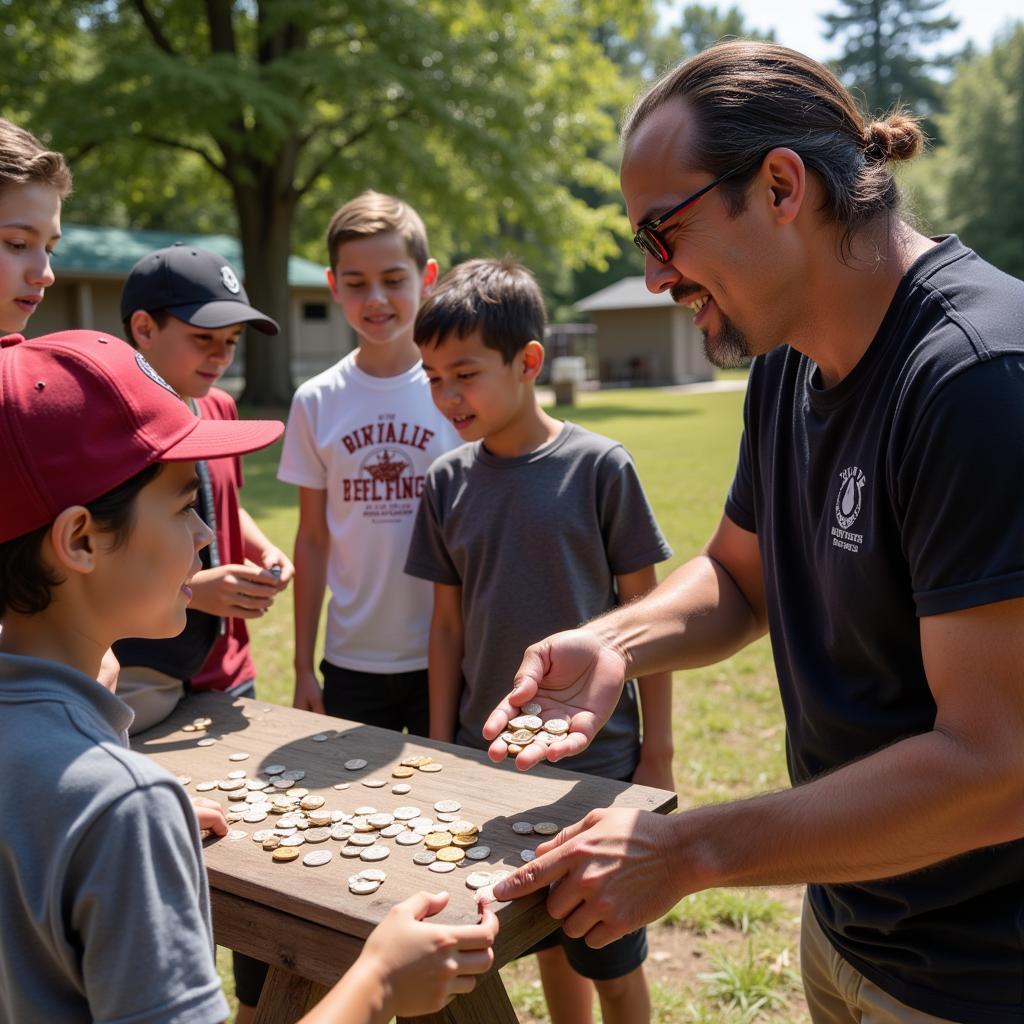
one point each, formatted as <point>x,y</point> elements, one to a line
<point>529,728</point>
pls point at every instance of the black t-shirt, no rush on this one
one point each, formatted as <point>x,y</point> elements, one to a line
<point>897,494</point>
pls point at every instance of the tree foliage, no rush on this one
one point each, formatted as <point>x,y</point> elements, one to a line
<point>269,113</point>
<point>884,51</point>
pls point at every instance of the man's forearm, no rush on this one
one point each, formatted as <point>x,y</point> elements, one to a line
<point>444,659</point>
<point>310,584</point>
<point>920,801</point>
<point>697,616</point>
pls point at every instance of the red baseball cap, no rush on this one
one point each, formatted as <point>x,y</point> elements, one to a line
<point>82,412</point>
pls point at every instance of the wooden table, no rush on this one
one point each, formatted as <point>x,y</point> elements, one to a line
<point>303,921</point>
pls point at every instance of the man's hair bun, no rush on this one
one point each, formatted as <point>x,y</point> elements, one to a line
<point>898,136</point>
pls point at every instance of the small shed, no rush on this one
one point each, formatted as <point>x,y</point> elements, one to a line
<point>644,338</point>
<point>91,264</point>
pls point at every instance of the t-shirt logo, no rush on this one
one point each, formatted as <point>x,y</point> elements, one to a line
<point>229,280</point>
<point>848,501</point>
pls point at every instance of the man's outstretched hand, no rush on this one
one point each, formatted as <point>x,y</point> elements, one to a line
<point>576,676</point>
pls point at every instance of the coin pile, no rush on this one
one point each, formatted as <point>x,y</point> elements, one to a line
<point>529,728</point>
<point>198,725</point>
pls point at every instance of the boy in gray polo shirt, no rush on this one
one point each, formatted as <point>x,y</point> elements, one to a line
<point>104,908</point>
<point>533,526</point>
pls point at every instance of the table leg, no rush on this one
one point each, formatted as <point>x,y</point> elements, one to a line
<point>287,997</point>
<point>488,1003</point>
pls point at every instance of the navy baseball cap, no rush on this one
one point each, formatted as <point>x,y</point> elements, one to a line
<point>195,285</point>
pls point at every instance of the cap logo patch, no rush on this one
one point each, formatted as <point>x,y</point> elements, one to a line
<point>152,374</point>
<point>230,281</point>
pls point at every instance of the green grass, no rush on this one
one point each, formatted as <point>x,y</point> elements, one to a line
<point>727,718</point>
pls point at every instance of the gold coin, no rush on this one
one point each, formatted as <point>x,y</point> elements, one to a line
<point>450,854</point>
<point>437,840</point>
<point>403,773</point>
<point>416,761</point>
<point>285,853</point>
<point>431,766</point>
<point>464,841</point>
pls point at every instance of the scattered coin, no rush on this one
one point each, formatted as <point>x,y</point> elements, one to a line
<point>556,726</point>
<point>485,895</point>
<point>373,874</point>
<point>424,857</point>
<point>355,763</point>
<point>311,802</point>
<point>362,839</point>
<point>238,773</point>
<point>255,815</point>
<point>527,855</point>
<point>317,835</point>
<point>381,819</point>
<point>341,785</point>
<point>533,708</point>
<point>452,854</point>
<point>448,806</point>
<point>417,761</point>
<point>364,810</point>
<point>403,773</point>
<point>546,828</point>
<point>530,722</point>
<point>431,766</point>
<point>447,817</point>
<point>280,783</point>
<point>408,838</point>
<point>341,832</point>
<point>522,828</point>
<point>362,886</point>
<point>406,813</point>
<point>479,853</point>
<point>238,756</point>
<point>320,818</point>
<point>297,792</point>
<point>272,842</point>
<point>284,853</point>
<point>351,851</point>
<point>256,784</point>
<point>478,879</point>
<point>320,737</point>
<point>237,833</point>
<point>441,866</point>
<point>188,728</point>
<point>184,779</point>
<point>230,785</point>
<point>375,783</point>
<point>207,741</point>
<point>521,737</point>
<point>390,831</point>
<point>293,840</point>
<point>274,769</point>
<point>437,840</point>
<point>295,774</point>
<point>375,853</point>
<point>317,858</point>
<point>205,787</point>
<point>261,835</point>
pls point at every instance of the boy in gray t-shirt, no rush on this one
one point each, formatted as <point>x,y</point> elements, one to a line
<point>534,526</point>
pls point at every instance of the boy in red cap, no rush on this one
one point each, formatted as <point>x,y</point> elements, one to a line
<point>184,309</point>
<point>103,883</point>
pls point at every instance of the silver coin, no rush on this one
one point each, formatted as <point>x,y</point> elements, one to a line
<point>230,785</point>
<point>238,773</point>
<point>424,857</point>
<point>478,879</point>
<point>341,832</point>
<point>373,874</point>
<point>341,785</point>
<point>409,838</point>
<point>293,840</point>
<point>255,798</point>
<point>257,784</point>
<point>254,815</point>
<point>238,756</point>
<point>317,835</point>
<point>295,774</point>
<point>406,813</point>
<point>320,737</point>
<point>527,855</point>
<point>289,821</point>
<point>237,794</point>
<point>533,708</point>
<point>362,886</point>
<point>205,787</point>
<point>365,810</point>
<point>261,835</point>
<point>478,852</point>
<point>274,769</point>
<point>319,818</point>
<point>375,783</point>
<point>442,867</point>
<point>317,858</point>
<point>447,817</point>
<point>280,783</point>
<point>531,722</point>
<point>236,833</point>
<point>556,726</point>
<point>361,825</point>
<point>485,895</point>
<point>184,780</point>
<point>427,823</point>
<point>401,789</point>
<point>355,763</point>
<point>312,801</point>
<point>375,853</point>
<point>546,828</point>
<point>284,831</point>
<point>362,839</point>
<point>522,828</point>
<point>206,741</point>
<point>351,851</point>
<point>390,831</point>
<point>432,767</point>
<point>447,806</point>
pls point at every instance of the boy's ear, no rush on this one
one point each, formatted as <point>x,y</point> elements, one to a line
<point>533,360</point>
<point>73,540</point>
<point>143,330</point>
<point>332,283</point>
<point>429,277</point>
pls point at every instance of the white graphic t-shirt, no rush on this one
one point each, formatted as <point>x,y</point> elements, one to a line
<point>368,442</point>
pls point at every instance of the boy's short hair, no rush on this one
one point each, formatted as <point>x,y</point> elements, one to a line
<point>159,316</point>
<point>374,213</point>
<point>499,298</point>
<point>24,160</point>
<point>27,583</point>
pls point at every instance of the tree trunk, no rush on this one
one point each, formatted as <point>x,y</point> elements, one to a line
<point>265,220</point>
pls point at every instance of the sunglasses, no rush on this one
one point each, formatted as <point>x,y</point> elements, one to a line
<point>647,238</point>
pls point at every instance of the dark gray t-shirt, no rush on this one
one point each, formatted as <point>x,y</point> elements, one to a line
<point>535,542</point>
<point>104,907</point>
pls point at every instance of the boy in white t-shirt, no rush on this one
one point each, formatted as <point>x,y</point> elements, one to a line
<point>360,438</point>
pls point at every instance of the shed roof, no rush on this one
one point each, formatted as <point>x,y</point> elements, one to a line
<point>629,293</point>
<point>92,251</point>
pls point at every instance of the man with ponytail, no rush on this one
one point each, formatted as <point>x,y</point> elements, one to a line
<point>872,529</point>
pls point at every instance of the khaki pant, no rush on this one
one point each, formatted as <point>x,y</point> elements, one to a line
<point>150,694</point>
<point>837,993</point>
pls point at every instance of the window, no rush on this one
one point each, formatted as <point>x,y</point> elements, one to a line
<point>314,311</point>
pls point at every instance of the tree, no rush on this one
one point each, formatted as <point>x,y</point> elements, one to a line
<point>977,167</point>
<point>484,113</point>
<point>883,56</point>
